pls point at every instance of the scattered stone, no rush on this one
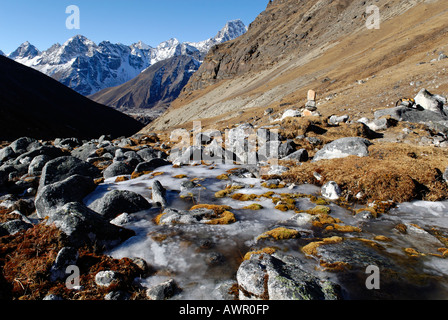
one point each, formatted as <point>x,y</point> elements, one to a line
<point>73,189</point>
<point>52,297</point>
<point>336,120</point>
<point>300,156</point>
<point>213,259</point>
<point>331,191</point>
<point>105,278</point>
<point>122,219</point>
<point>37,164</point>
<point>344,147</point>
<point>66,256</point>
<point>381,124</point>
<point>268,111</point>
<point>118,168</point>
<point>291,114</point>
<point>311,95</point>
<point>117,202</point>
<point>61,168</point>
<point>277,170</point>
<point>117,296</point>
<point>429,101</point>
<point>281,277</point>
<point>159,194</point>
<point>163,291</point>
<point>151,165</point>
<point>83,226</point>
<point>13,227</point>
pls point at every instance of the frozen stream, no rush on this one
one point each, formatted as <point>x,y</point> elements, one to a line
<point>203,259</point>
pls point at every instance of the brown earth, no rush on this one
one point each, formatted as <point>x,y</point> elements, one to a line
<point>325,46</point>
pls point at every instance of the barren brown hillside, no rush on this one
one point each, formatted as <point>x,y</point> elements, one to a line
<point>294,46</point>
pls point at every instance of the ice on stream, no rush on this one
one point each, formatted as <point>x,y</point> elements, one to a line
<point>203,259</point>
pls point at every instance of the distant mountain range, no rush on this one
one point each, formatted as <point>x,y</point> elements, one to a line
<point>87,68</point>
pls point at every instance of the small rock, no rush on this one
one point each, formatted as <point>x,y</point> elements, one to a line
<point>159,194</point>
<point>117,296</point>
<point>277,170</point>
<point>331,191</point>
<point>66,256</point>
<point>163,291</point>
<point>63,167</point>
<point>335,120</point>
<point>291,114</point>
<point>105,278</point>
<point>300,156</point>
<point>311,106</point>
<point>268,111</point>
<point>118,168</point>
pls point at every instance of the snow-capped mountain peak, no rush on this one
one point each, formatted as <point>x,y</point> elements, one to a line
<point>232,30</point>
<point>25,51</point>
<point>141,45</point>
<point>87,68</point>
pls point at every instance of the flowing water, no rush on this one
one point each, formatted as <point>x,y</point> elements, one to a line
<point>204,259</point>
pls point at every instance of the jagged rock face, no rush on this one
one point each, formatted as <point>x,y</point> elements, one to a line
<point>88,68</point>
<point>154,88</point>
<point>286,27</point>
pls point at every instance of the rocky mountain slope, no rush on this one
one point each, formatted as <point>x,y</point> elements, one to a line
<point>322,45</point>
<point>155,88</point>
<point>35,105</point>
<point>88,68</point>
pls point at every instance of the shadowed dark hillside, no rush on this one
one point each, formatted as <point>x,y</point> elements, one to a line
<point>34,105</point>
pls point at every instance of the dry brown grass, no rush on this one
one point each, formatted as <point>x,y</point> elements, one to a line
<point>27,257</point>
<point>397,172</point>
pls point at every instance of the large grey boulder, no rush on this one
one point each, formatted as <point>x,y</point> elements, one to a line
<point>344,147</point>
<point>300,156</point>
<point>118,168</point>
<point>14,226</point>
<point>430,101</point>
<point>281,277</point>
<point>84,226</point>
<point>85,151</point>
<point>63,167</point>
<point>24,144</point>
<point>117,202</point>
<point>51,197</point>
<point>37,164</point>
<point>151,165</point>
<point>6,153</point>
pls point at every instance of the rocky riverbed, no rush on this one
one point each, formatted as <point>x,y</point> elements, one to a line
<point>305,208</point>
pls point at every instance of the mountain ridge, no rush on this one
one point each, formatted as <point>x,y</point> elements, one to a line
<point>293,47</point>
<point>87,67</point>
<point>37,106</point>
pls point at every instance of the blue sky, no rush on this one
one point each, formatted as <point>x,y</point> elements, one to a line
<point>42,22</point>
